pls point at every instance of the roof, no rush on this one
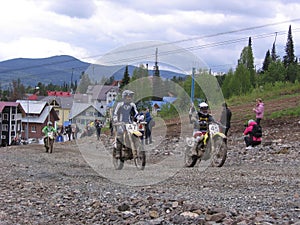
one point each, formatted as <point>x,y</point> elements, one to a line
<point>99,91</point>
<point>78,97</point>
<point>59,93</point>
<point>33,97</point>
<point>32,107</point>
<point>42,118</point>
<point>169,99</point>
<point>4,104</point>
<point>164,101</point>
<point>62,101</point>
<point>78,108</point>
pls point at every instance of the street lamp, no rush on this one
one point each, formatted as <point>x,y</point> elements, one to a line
<point>27,128</point>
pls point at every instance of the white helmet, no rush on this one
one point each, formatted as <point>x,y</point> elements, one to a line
<point>203,108</point>
<point>203,105</point>
<point>127,93</point>
<point>49,123</point>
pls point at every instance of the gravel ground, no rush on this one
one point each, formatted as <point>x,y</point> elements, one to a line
<point>258,186</point>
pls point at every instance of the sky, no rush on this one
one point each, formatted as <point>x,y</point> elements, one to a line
<point>215,31</point>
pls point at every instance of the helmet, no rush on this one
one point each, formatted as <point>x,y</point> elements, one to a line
<point>127,95</point>
<point>49,123</point>
<point>203,107</point>
<point>250,121</point>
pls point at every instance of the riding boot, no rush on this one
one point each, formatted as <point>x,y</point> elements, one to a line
<point>194,150</point>
<point>200,153</point>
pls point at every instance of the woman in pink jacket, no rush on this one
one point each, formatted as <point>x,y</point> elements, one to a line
<point>259,110</point>
<point>249,138</point>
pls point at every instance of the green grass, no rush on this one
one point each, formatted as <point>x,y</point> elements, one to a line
<point>279,90</point>
<point>290,112</point>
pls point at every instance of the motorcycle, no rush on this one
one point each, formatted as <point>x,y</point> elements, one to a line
<point>49,141</point>
<point>207,145</point>
<point>128,145</point>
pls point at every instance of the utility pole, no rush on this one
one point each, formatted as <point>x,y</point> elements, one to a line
<point>71,86</point>
<point>193,85</point>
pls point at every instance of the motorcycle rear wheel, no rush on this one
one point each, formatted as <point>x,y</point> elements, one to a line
<point>220,152</point>
<point>189,159</point>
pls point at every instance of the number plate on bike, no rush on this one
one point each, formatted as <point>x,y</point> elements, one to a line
<point>131,127</point>
<point>214,128</point>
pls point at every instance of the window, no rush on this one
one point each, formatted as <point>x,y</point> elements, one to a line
<point>12,127</point>
<point>13,116</point>
<point>33,129</point>
<point>5,116</point>
<point>4,127</point>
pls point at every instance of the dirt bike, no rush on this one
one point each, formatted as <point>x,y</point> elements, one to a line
<point>49,141</point>
<point>128,138</point>
<point>208,145</point>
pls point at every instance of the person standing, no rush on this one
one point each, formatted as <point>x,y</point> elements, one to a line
<point>259,110</point>
<point>98,126</point>
<point>68,130</point>
<point>226,118</point>
<point>149,124</point>
<point>111,127</point>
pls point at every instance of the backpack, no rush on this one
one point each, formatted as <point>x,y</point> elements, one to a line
<point>257,131</point>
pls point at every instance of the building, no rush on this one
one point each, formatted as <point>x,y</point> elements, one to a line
<point>62,103</point>
<point>37,114</point>
<point>10,122</point>
<point>83,114</point>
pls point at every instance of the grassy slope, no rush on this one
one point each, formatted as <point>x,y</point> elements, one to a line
<point>281,100</point>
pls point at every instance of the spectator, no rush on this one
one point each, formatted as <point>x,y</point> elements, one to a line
<point>111,127</point>
<point>250,138</point>
<point>259,110</point>
<point>68,131</point>
<point>148,127</point>
<point>75,130</point>
<point>98,125</point>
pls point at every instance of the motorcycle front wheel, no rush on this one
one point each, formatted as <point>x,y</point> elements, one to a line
<point>189,159</point>
<point>118,162</point>
<point>140,160</point>
<point>219,154</point>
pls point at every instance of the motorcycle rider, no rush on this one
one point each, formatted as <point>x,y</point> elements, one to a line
<point>201,122</point>
<point>48,128</point>
<point>125,111</point>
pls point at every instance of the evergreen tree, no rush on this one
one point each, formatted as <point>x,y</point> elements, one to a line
<point>266,62</point>
<point>289,57</point>
<point>276,72</point>
<point>247,60</point>
<point>126,78</point>
<point>226,89</point>
<point>274,56</point>
<point>140,72</point>
<point>84,83</point>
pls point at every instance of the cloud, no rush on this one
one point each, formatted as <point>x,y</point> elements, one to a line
<point>73,8</point>
<point>87,29</point>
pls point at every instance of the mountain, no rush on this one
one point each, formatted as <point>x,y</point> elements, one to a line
<point>61,69</point>
<point>56,69</point>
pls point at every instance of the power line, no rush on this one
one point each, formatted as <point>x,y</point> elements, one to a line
<point>191,48</point>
